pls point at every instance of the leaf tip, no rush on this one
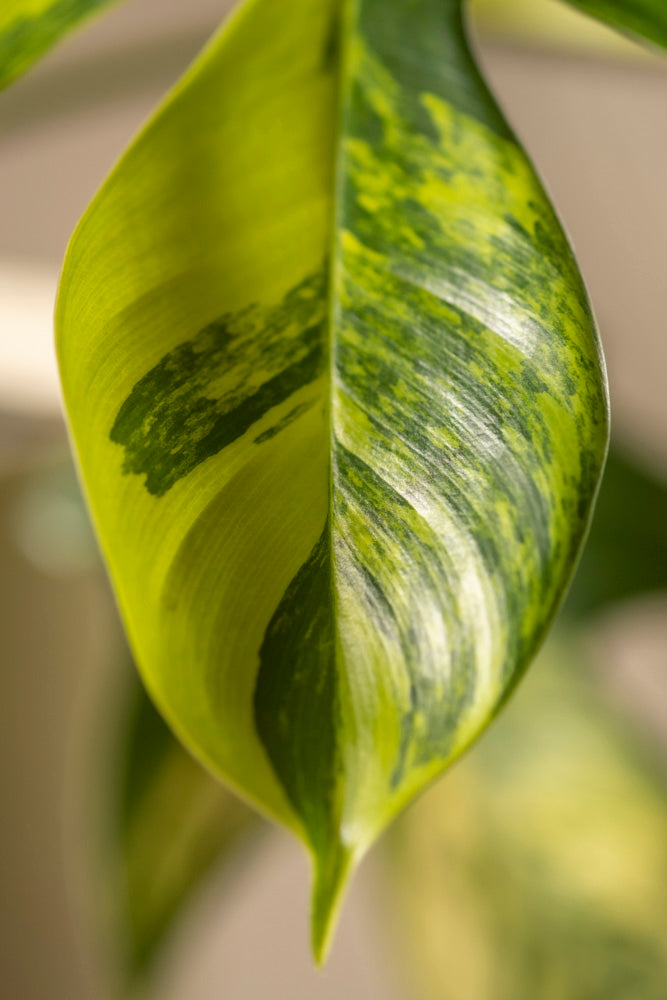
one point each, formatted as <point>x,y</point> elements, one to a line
<point>333,870</point>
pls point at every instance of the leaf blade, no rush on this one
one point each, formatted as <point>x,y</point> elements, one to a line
<point>341,472</point>
<point>213,256</point>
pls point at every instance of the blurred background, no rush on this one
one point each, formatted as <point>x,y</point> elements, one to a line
<point>538,866</point>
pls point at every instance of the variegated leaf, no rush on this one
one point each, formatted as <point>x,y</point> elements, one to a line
<point>29,27</point>
<point>339,407</point>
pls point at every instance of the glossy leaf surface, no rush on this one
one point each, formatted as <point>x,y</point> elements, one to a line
<point>338,403</point>
<point>29,27</point>
<point>645,18</point>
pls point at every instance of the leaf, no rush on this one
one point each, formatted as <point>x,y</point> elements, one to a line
<point>646,18</point>
<point>337,398</point>
<point>29,27</point>
<point>626,552</point>
<point>175,825</point>
<point>538,868</point>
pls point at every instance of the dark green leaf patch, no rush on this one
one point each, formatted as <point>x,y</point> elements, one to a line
<point>296,703</point>
<point>211,389</point>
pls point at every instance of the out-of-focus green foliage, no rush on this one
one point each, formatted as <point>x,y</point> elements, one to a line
<point>645,18</point>
<point>538,869</point>
<point>626,551</point>
<point>29,27</point>
<point>175,823</point>
<point>551,23</point>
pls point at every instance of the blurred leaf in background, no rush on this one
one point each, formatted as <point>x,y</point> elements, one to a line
<point>561,25</point>
<point>29,27</point>
<point>176,824</point>
<point>645,18</point>
<point>626,551</point>
<point>538,868</point>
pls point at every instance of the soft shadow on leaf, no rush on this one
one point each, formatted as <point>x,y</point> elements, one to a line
<point>538,868</point>
<point>28,28</point>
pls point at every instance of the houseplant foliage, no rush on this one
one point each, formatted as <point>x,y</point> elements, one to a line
<point>348,415</point>
<point>338,404</point>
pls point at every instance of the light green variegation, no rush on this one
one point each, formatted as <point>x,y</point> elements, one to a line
<point>29,27</point>
<point>338,403</point>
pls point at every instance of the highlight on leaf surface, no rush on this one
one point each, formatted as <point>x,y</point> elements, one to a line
<point>339,408</point>
<point>29,27</point>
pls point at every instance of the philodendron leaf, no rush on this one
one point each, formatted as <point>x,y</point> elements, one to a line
<point>337,399</point>
<point>646,18</point>
<point>29,27</point>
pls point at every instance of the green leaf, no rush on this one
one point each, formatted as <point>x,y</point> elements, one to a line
<point>337,398</point>
<point>538,868</point>
<point>175,824</point>
<point>29,27</point>
<point>626,552</point>
<point>646,18</point>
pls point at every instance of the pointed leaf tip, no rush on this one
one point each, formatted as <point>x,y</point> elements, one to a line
<point>341,441</point>
<point>332,873</point>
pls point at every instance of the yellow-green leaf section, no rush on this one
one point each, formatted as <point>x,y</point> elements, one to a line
<point>29,27</point>
<point>338,403</point>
